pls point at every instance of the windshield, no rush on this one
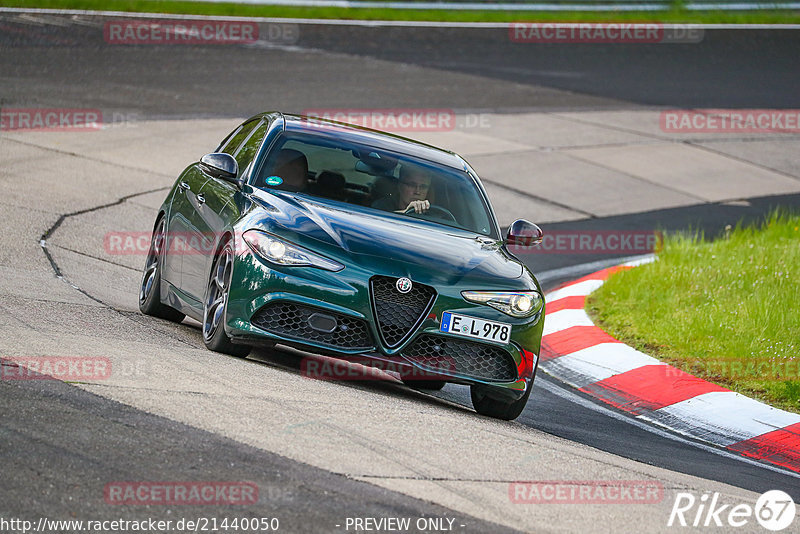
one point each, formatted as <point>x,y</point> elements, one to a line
<point>330,168</point>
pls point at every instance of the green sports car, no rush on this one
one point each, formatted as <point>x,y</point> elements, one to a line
<point>351,243</point>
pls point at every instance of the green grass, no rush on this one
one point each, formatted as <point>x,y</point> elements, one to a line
<point>675,15</point>
<point>726,310</point>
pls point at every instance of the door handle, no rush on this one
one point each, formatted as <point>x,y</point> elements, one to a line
<point>201,199</point>
<point>185,186</point>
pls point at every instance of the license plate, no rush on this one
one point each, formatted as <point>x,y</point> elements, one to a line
<point>464,325</point>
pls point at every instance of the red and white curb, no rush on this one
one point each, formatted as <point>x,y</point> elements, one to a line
<point>579,353</point>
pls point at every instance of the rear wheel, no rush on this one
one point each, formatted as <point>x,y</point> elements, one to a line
<point>216,304</point>
<point>499,409</point>
<point>150,290</point>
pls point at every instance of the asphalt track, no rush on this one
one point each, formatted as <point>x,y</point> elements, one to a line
<point>68,65</point>
<point>727,69</point>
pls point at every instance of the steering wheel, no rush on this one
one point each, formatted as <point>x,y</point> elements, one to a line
<point>439,213</point>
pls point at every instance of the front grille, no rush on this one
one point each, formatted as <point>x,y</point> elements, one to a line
<point>467,358</point>
<point>398,314</point>
<point>291,320</point>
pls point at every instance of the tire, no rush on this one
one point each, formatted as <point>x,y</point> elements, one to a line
<point>215,306</point>
<point>490,407</point>
<point>429,385</point>
<point>150,288</point>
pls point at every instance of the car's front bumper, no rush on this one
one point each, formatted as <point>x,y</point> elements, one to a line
<point>259,289</point>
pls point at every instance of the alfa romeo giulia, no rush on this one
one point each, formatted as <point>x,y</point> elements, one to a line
<point>352,243</point>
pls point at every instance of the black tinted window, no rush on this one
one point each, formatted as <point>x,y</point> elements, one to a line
<point>235,139</point>
<point>246,153</point>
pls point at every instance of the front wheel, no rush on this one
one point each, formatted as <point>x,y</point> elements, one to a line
<point>492,407</point>
<point>150,289</point>
<point>216,304</point>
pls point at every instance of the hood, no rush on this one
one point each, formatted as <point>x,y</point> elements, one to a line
<point>385,244</point>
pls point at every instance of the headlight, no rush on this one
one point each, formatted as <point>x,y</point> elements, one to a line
<point>282,252</point>
<point>513,303</point>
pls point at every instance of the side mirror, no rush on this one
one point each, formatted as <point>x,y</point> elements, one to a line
<point>523,233</point>
<point>221,165</point>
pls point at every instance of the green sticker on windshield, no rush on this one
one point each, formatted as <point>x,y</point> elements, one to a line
<point>274,180</point>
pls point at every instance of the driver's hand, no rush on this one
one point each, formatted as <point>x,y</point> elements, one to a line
<point>419,206</point>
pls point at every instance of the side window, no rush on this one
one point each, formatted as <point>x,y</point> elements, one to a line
<point>234,140</point>
<point>250,147</point>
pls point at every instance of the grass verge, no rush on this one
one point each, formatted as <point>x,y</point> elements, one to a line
<point>727,311</point>
<point>674,15</point>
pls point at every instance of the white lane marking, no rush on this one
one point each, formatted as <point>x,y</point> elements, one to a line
<point>640,261</point>
<point>586,268</point>
<point>563,319</point>
<point>373,23</point>
<point>581,289</point>
<point>574,398</point>
<point>598,362</point>
<point>722,417</point>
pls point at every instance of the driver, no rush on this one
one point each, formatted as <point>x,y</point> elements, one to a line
<point>412,188</point>
<point>291,166</point>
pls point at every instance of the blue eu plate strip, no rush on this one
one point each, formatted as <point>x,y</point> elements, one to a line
<point>445,322</point>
